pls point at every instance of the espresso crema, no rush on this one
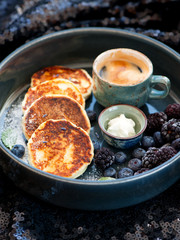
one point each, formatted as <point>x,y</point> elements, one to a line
<point>123,72</point>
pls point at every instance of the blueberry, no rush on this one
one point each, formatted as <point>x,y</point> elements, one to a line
<point>96,145</point>
<point>18,150</point>
<point>176,144</point>
<point>147,142</point>
<point>91,115</point>
<point>125,172</point>
<point>158,139</point>
<point>135,164</point>
<point>138,153</point>
<point>110,172</point>
<point>120,157</point>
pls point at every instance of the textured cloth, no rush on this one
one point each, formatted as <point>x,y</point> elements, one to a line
<point>23,20</point>
<point>24,217</point>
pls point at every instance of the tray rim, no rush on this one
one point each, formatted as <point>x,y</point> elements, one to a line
<point>86,30</point>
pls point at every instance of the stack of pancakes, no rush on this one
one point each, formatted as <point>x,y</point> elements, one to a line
<point>55,123</point>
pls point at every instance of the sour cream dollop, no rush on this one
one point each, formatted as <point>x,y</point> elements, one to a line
<point>121,126</point>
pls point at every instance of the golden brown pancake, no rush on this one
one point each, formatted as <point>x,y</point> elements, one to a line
<point>59,147</point>
<point>54,87</point>
<point>79,77</point>
<point>54,107</point>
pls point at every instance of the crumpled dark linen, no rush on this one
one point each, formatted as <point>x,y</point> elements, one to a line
<point>24,217</point>
<point>23,20</point>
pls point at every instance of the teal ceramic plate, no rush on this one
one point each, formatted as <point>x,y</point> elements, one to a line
<point>78,48</point>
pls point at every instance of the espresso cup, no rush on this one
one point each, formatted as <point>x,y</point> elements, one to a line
<point>125,76</point>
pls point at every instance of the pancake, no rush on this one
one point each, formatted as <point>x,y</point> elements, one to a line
<point>79,77</point>
<point>54,107</point>
<point>59,147</point>
<point>55,87</point>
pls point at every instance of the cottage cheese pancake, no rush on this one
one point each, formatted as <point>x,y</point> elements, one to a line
<point>60,87</point>
<point>59,147</point>
<point>79,77</point>
<point>54,107</point>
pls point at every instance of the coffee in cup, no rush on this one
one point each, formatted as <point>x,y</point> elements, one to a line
<point>123,72</point>
<point>125,76</point>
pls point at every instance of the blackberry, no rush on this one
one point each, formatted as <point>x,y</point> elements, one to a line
<point>171,130</point>
<point>150,159</point>
<point>138,153</point>
<point>176,144</point>
<point>147,142</point>
<point>155,121</point>
<point>104,158</point>
<point>18,150</point>
<point>134,164</point>
<point>91,115</point>
<point>125,172</point>
<point>142,170</point>
<point>120,157</point>
<point>158,139</point>
<point>173,111</point>
<point>164,154</point>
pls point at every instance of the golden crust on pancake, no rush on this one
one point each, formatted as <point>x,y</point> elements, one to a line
<point>54,107</point>
<point>54,87</point>
<point>79,77</point>
<point>59,147</point>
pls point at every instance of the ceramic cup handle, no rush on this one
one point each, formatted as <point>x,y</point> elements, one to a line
<point>158,94</point>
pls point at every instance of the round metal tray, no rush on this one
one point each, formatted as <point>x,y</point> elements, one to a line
<point>78,48</point>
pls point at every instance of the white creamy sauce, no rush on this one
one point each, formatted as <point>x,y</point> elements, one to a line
<point>121,126</point>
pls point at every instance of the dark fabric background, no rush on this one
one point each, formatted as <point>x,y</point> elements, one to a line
<point>24,217</point>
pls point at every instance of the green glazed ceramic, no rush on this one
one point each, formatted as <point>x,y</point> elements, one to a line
<point>78,48</point>
<point>130,112</point>
<point>109,93</point>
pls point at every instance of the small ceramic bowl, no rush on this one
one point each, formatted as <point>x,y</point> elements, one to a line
<point>129,111</point>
